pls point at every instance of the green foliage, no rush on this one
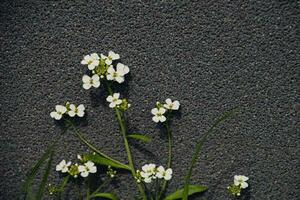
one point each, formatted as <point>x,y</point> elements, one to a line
<point>96,158</point>
<point>192,190</point>
<point>42,186</point>
<point>140,137</point>
<point>106,196</point>
<point>199,147</point>
<point>27,188</point>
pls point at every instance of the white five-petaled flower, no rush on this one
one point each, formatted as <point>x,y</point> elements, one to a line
<point>241,180</point>
<point>59,111</point>
<point>171,105</point>
<point>114,100</point>
<point>91,60</point>
<point>63,166</point>
<point>111,56</point>
<point>117,75</point>
<point>88,82</point>
<point>79,111</point>
<point>158,114</point>
<point>162,173</point>
<point>88,167</point>
<point>148,172</point>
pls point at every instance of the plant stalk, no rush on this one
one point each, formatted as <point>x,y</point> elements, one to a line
<point>127,147</point>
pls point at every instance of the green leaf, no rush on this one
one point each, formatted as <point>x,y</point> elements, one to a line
<point>199,145</point>
<point>106,196</point>
<point>143,138</point>
<point>105,161</point>
<point>35,169</point>
<point>192,190</point>
<point>42,186</point>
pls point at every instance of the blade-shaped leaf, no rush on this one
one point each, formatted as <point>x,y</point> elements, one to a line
<point>42,186</point>
<point>199,145</point>
<point>143,138</point>
<point>192,190</point>
<point>105,161</point>
<point>106,196</point>
<point>36,168</point>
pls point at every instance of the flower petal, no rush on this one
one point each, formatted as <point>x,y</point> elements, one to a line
<point>154,111</point>
<point>86,86</point>
<point>116,95</point>
<point>86,79</point>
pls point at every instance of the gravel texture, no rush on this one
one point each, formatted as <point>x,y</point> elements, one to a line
<point>211,55</point>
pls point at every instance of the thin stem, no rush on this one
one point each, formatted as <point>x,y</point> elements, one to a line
<point>199,145</point>
<point>80,136</point>
<point>87,189</point>
<point>104,184</point>
<point>78,192</point>
<point>127,147</point>
<point>169,164</point>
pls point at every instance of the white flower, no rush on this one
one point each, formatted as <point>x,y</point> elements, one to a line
<point>162,173</point>
<point>88,82</point>
<point>60,110</point>
<point>79,157</point>
<point>241,180</point>
<point>158,115</point>
<point>172,105</point>
<point>91,60</point>
<point>63,166</point>
<point>111,56</point>
<point>114,100</point>
<point>148,172</point>
<point>87,168</point>
<point>79,111</point>
<point>117,75</point>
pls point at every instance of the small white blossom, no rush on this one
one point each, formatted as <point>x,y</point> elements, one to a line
<point>88,167</point>
<point>114,100</point>
<point>162,173</point>
<point>79,111</point>
<point>148,172</point>
<point>63,166</point>
<point>79,157</point>
<point>241,180</point>
<point>88,82</point>
<point>111,56</point>
<point>59,111</point>
<point>117,75</point>
<point>158,115</point>
<point>172,105</point>
<point>91,60</point>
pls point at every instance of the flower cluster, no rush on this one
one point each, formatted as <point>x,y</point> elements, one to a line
<point>115,101</point>
<point>69,109</point>
<point>239,183</point>
<point>161,109</point>
<point>83,169</point>
<point>151,171</point>
<point>102,67</point>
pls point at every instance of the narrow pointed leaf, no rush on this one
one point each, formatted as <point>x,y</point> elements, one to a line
<point>193,189</point>
<point>106,196</point>
<point>98,159</point>
<point>199,147</point>
<point>140,137</point>
<point>42,186</point>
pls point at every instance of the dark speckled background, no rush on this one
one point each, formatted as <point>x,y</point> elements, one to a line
<point>210,55</point>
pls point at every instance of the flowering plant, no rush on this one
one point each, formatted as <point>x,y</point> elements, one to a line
<point>151,179</point>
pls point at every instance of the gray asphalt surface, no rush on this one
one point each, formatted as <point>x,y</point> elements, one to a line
<point>210,55</point>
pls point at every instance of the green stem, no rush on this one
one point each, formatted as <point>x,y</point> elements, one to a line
<point>63,185</point>
<point>199,147</point>
<point>105,183</point>
<point>80,136</point>
<point>169,164</point>
<point>127,148</point>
